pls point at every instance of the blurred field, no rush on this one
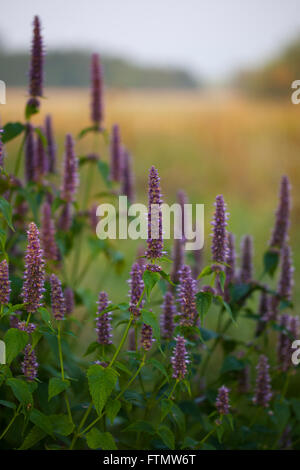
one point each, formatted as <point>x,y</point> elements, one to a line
<point>204,143</point>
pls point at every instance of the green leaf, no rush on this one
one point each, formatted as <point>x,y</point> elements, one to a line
<point>3,238</point>
<point>207,271</point>
<point>203,303</point>
<point>87,130</point>
<point>12,130</point>
<point>103,440</point>
<point>41,420</point>
<point>8,404</point>
<point>150,280</point>
<point>20,390</point>
<point>56,386</point>
<point>31,109</point>
<point>281,415</point>
<point>150,319</point>
<point>46,317</point>
<point>61,424</point>
<point>140,426</point>
<point>158,365</point>
<point>91,348</point>
<point>101,381</point>
<point>41,136</point>
<point>4,373</point>
<point>271,260</point>
<point>222,279</point>
<point>6,211</point>
<point>231,363</point>
<point>15,341</point>
<point>112,409</point>
<point>104,171</point>
<point>34,436</point>
<point>208,334</point>
<point>167,437</point>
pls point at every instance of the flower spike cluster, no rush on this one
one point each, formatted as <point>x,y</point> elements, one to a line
<point>34,275</point>
<point>48,234</point>
<point>51,146</point>
<point>116,152</point>
<point>30,154</point>
<point>222,401</point>
<point>103,326</point>
<point>96,91</point>
<point>4,283</point>
<point>219,235</point>
<point>136,284</point>
<point>169,312</point>
<point>282,216</point>
<point>186,297</point>
<point>146,337</point>
<point>179,359</point>
<point>263,393</point>
<point>155,238</point>
<point>57,298</point>
<point>37,61</point>
<point>29,364</point>
<point>70,177</point>
<point>246,273</point>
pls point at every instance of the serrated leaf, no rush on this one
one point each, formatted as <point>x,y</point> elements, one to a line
<point>20,390</point>
<point>15,341</point>
<point>150,319</point>
<point>103,440</point>
<point>203,303</point>
<point>150,279</point>
<point>6,211</point>
<point>34,436</point>
<point>12,130</point>
<point>271,260</point>
<point>140,426</point>
<point>41,420</point>
<point>112,408</point>
<point>101,381</point>
<point>56,386</point>
<point>61,424</point>
<point>167,437</point>
<point>207,271</point>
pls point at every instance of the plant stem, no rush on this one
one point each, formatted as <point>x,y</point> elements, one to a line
<point>19,156</point>
<point>173,389</point>
<point>16,413</point>
<point>121,342</point>
<point>62,369</point>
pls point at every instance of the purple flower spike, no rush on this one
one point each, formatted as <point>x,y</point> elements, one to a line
<point>48,234</point>
<point>65,219</point>
<point>29,364</point>
<point>282,215</point>
<point>51,146</point>
<point>127,178</point>
<point>263,393</point>
<point>198,262</point>
<point>58,302</point>
<point>222,401</point>
<point>97,91</point>
<point>34,276</point>
<point>4,283</point>
<point>286,282</point>
<point>37,61</point>
<point>136,288</point>
<point>178,259</point>
<point>103,326</point>
<point>169,312</point>
<point>186,297</point>
<point>155,238</point>
<point>116,154</point>
<point>287,335</point>
<point>22,325</point>
<point>179,359</point>
<point>30,154</point>
<point>69,300</point>
<point>70,177</point>
<point>246,273</point>
<point>219,223</point>
<point>146,337</point>
<point>41,160</point>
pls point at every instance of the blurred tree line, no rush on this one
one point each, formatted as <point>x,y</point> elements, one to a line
<point>69,69</point>
<point>273,79</point>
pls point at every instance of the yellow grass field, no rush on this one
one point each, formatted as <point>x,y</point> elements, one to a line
<point>204,143</point>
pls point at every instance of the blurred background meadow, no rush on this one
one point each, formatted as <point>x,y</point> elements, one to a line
<point>202,93</point>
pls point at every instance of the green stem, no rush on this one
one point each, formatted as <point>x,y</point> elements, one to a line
<point>208,435</point>
<point>77,434</point>
<point>19,156</point>
<point>121,342</point>
<point>62,369</point>
<point>16,413</point>
<point>173,389</point>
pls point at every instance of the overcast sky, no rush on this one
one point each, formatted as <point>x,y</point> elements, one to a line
<point>210,37</point>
